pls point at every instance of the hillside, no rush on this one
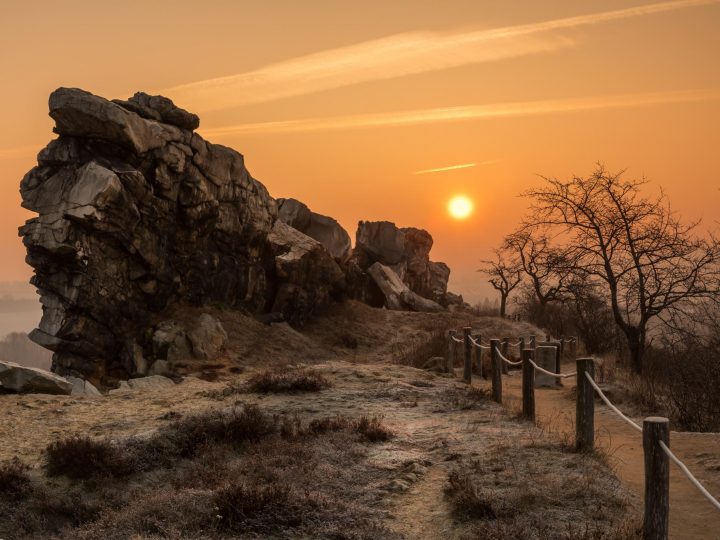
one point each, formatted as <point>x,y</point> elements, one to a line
<point>372,449</point>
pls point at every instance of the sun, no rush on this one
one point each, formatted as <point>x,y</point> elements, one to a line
<point>460,207</point>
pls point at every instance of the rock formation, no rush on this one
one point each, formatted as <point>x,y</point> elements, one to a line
<point>137,212</point>
<point>397,294</point>
<point>26,380</point>
<point>406,251</point>
<point>324,229</point>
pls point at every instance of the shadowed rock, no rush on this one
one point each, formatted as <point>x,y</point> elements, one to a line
<point>136,213</point>
<point>397,294</point>
<point>406,251</point>
<point>324,229</point>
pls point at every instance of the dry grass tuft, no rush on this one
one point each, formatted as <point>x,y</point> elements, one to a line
<point>276,381</point>
<point>466,498</point>
<point>372,429</point>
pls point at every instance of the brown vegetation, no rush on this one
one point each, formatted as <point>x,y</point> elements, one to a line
<point>275,380</point>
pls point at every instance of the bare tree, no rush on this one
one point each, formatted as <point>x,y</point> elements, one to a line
<point>504,273</point>
<point>649,261</point>
<point>545,265</point>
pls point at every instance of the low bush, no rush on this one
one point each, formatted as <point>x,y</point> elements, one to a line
<point>372,429</point>
<point>466,499</point>
<point>275,381</point>
<point>15,483</point>
<point>83,457</point>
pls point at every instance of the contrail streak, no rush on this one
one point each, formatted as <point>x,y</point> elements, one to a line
<point>450,168</point>
<point>395,56</point>
<point>465,113</point>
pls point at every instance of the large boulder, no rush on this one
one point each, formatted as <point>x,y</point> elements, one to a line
<point>324,229</point>
<point>28,380</point>
<point>397,294</point>
<point>406,251</point>
<point>308,277</point>
<point>136,214</point>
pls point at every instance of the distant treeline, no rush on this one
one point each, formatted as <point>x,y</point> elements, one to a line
<point>17,347</point>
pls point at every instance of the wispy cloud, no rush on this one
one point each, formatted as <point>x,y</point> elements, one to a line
<point>395,56</point>
<point>449,168</point>
<point>470,112</point>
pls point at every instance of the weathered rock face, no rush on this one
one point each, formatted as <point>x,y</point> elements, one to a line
<point>404,250</point>
<point>307,273</point>
<point>324,229</point>
<point>397,294</point>
<point>135,213</point>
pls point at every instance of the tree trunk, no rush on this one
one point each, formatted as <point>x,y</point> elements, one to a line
<point>636,345</point>
<point>503,303</point>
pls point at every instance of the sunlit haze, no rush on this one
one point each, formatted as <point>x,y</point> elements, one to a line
<point>381,110</point>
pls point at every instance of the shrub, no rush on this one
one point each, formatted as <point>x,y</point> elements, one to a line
<point>467,501</point>
<point>83,457</point>
<point>239,504</point>
<point>319,426</point>
<point>372,429</point>
<point>287,381</point>
<point>15,483</point>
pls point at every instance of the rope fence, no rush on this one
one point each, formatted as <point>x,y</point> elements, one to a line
<point>655,430</point>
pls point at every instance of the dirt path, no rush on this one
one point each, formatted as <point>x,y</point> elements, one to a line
<point>691,516</point>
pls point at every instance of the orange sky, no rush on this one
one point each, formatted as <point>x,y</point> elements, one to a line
<point>340,103</point>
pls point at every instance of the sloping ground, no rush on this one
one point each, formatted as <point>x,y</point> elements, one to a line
<point>456,465</point>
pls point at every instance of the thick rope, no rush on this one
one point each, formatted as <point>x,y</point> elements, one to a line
<point>456,340</point>
<point>497,351</point>
<point>561,375</point>
<point>516,344</point>
<point>609,404</point>
<point>690,476</point>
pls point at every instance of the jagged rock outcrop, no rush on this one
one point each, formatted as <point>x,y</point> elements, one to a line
<point>404,250</point>
<point>324,229</point>
<point>136,213</point>
<point>307,273</point>
<point>397,294</point>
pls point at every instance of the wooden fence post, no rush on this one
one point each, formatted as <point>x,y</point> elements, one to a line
<point>450,360</point>
<point>558,364</point>
<point>528,385</point>
<point>562,346</point>
<point>585,407</point>
<point>504,349</point>
<point>467,370</point>
<point>533,342</point>
<point>522,348</point>
<point>657,478</point>
<point>478,355</point>
<point>496,367</point>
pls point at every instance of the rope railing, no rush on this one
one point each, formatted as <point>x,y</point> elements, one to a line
<point>690,476</point>
<point>508,362</point>
<point>609,403</point>
<point>546,372</point>
<point>655,430</point>
<point>456,340</point>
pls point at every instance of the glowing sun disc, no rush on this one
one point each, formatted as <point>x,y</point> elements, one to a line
<point>460,207</point>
